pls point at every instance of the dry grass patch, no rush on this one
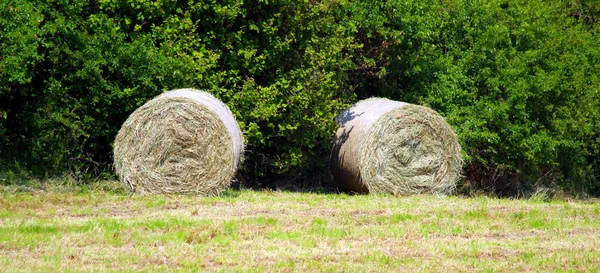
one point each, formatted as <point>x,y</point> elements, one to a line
<point>282,231</point>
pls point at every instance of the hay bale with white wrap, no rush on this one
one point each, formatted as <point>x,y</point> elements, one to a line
<point>183,142</point>
<point>385,146</point>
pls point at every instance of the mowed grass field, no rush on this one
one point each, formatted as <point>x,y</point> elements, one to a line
<point>81,230</point>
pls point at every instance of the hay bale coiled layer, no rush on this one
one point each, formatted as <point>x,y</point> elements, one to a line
<point>385,146</point>
<point>182,142</point>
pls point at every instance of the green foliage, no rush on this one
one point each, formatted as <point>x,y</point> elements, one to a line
<point>585,11</point>
<point>518,80</point>
<point>18,51</point>
<point>279,66</point>
<point>85,77</point>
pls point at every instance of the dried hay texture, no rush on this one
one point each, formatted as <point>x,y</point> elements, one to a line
<point>385,146</point>
<point>182,142</point>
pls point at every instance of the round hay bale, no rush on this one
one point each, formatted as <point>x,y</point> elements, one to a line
<point>184,142</point>
<point>385,146</point>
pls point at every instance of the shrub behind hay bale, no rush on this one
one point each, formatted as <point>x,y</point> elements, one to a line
<point>184,141</point>
<point>386,146</point>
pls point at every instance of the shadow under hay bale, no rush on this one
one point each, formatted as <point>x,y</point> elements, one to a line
<point>182,142</point>
<point>385,146</point>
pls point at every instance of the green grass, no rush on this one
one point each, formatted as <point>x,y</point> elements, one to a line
<point>103,229</point>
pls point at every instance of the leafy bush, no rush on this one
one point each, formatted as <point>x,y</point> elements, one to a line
<point>518,80</point>
<point>277,65</point>
<point>81,77</point>
<point>18,52</point>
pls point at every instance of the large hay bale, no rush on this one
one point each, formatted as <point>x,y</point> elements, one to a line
<point>386,146</point>
<point>184,141</point>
